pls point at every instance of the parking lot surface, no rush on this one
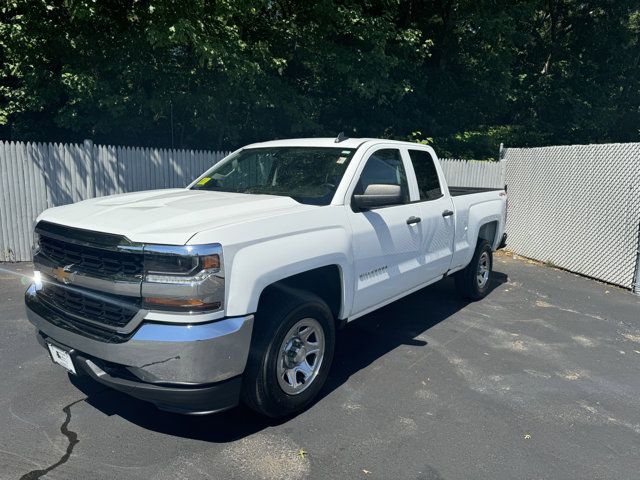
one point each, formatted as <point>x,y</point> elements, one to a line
<point>540,380</point>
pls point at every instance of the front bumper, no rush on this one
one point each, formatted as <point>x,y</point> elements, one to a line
<point>163,363</point>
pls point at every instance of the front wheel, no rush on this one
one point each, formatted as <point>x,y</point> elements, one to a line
<point>474,280</point>
<point>291,352</point>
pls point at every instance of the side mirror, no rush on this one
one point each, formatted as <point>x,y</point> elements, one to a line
<point>378,195</point>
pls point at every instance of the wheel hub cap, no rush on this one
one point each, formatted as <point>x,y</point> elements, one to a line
<point>301,356</point>
<point>484,269</point>
<point>294,353</point>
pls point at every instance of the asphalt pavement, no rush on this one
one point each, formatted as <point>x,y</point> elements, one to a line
<point>537,381</point>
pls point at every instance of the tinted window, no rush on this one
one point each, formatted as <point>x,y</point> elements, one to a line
<point>426,174</point>
<point>384,167</point>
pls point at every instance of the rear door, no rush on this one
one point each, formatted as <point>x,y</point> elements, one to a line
<point>387,240</point>
<point>436,212</point>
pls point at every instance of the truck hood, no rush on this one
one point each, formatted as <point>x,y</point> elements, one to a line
<point>170,216</point>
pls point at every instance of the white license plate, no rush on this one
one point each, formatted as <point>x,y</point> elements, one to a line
<point>61,357</point>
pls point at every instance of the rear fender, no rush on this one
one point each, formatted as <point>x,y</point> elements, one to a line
<point>468,229</point>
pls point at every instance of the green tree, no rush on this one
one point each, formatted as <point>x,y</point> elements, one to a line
<point>196,73</point>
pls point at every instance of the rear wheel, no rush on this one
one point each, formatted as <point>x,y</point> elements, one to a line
<point>292,348</point>
<point>473,282</point>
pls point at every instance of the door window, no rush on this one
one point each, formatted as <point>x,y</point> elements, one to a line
<point>426,174</point>
<point>384,167</point>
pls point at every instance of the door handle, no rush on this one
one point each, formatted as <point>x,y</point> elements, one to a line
<point>411,220</point>
<point>447,213</point>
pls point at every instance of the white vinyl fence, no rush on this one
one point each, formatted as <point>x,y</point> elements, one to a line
<point>37,176</point>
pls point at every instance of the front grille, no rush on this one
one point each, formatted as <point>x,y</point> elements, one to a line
<point>112,311</point>
<point>54,317</point>
<point>92,261</point>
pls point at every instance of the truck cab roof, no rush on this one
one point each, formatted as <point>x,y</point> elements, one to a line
<point>324,142</point>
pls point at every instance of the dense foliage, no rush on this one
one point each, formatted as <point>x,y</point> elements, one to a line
<point>463,74</point>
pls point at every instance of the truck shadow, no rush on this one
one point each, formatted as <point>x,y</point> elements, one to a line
<point>358,345</point>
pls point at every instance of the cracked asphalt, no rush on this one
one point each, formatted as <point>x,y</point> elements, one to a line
<point>537,381</point>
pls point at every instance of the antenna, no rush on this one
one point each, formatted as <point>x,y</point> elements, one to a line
<point>341,137</point>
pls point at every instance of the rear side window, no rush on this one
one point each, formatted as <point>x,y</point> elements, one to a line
<point>384,167</point>
<point>426,175</point>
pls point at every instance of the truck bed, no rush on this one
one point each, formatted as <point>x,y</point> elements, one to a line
<point>458,191</point>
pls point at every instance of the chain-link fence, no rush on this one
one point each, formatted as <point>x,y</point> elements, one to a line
<point>473,173</point>
<point>577,207</point>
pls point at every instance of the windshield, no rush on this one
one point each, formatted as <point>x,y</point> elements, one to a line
<point>307,174</point>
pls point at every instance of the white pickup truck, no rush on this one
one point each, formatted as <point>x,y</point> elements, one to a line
<point>232,289</point>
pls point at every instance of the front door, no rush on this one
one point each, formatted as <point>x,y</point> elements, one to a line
<point>387,240</point>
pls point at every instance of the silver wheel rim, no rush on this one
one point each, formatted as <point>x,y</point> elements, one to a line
<point>484,269</point>
<point>300,356</point>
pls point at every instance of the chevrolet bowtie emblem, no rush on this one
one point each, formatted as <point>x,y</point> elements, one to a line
<point>63,275</point>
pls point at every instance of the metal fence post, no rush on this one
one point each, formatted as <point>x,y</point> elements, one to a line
<point>503,166</point>
<point>636,283</point>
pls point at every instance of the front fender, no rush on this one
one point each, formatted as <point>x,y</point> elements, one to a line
<point>256,266</point>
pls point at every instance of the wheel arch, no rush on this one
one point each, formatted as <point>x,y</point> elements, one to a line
<point>488,231</point>
<point>326,282</point>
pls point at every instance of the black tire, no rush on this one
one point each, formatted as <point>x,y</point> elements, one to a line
<point>278,312</point>
<point>466,280</point>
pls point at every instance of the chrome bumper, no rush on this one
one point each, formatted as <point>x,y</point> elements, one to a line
<point>160,353</point>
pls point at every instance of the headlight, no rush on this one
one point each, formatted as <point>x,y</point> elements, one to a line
<point>179,269</point>
<point>183,278</point>
<point>37,279</point>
